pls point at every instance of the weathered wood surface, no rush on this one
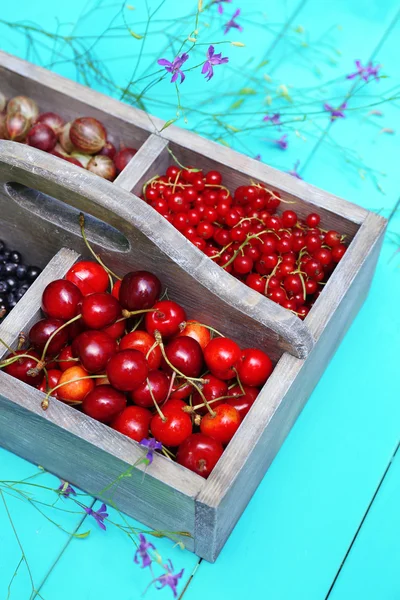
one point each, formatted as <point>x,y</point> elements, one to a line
<point>238,473</point>
<point>206,291</point>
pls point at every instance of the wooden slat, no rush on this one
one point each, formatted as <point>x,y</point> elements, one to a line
<point>146,157</point>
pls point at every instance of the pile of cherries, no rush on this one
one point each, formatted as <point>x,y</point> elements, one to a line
<point>83,142</point>
<point>279,255</point>
<point>131,359</point>
<point>15,278</point>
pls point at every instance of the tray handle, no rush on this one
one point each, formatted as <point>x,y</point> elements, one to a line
<point>208,289</point>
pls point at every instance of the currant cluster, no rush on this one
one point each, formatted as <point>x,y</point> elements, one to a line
<point>131,359</point>
<point>15,278</point>
<point>82,142</point>
<point>279,255</point>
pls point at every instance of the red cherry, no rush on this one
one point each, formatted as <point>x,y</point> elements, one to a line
<point>94,350</point>
<point>338,252</point>
<point>88,276</point>
<point>126,370</point>
<point>116,288</point>
<point>176,427</point>
<point>185,354</point>
<point>199,453</point>
<point>139,290</point>
<point>159,384</point>
<point>243,402</point>
<point>19,369</point>
<point>61,299</point>
<point>181,390</point>
<point>223,425</point>
<point>53,377</point>
<point>104,403</point>
<point>42,330</point>
<point>212,389</point>
<point>142,341</point>
<point>116,330</point>
<point>65,359</point>
<point>133,422</point>
<point>166,318</point>
<point>221,356</point>
<point>100,310</point>
<point>254,367</point>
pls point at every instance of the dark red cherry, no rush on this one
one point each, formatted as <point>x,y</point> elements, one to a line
<point>19,369</point>
<point>126,370</point>
<point>94,349</point>
<point>139,290</point>
<point>42,330</point>
<point>166,318</point>
<point>100,310</point>
<point>134,422</point>
<point>104,403</point>
<point>159,384</point>
<point>61,300</point>
<point>199,453</point>
<point>185,354</point>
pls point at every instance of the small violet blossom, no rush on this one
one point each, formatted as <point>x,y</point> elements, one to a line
<point>336,113</point>
<point>275,119</point>
<point>175,66</point>
<point>220,7</point>
<point>232,23</point>
<point>98,515</point>
<point>169,578</point>
<point>142,552</point>
<point>66,489</point>
<point>365,72</point>
<point>282,141</point>
<point>294,172</point>
<point>151,444</point>
<point>212,60</point>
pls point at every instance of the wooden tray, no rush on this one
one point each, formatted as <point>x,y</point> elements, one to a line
<point>40,196</point>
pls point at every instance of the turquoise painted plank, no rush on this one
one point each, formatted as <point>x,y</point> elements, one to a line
<point>41,540</point>
<point>372,568</point>
<point>103,565</point>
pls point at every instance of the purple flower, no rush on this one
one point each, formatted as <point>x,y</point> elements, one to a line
<point>175,66</point>
<point>336,113</point>
<point>212,60</point>
<point>169,578</point>
<point>220,7</point>
<point>142,552</point>
<point>294,172</point>
<point>232,23</point>
<point>257,157</point>
<point>365,72</point>
<point>282,142</point>
<point>66,489</point>
<point>98,515</point>
<point>152,445</point>
<point>275,119</point>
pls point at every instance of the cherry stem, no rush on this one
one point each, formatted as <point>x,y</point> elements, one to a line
<point>137,324</point>
<point>126,314</point>
<point>15,358</point>
<point>21,340</point>
<point>171,385</point>
<point>158,409</point>
<point>45,402</point>
<point>7,346</point>
<point>190,409</point>
<point>192,170</point>
<point>151,350</point>
<point>205,401</point>
<point>210,328</point>
<point>158,337</point>
<point>239,382</point>
<point>96,256</point>
<point>54,334</point>
<point>168,452</point>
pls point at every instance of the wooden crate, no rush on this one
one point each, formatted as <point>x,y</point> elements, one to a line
<point>40,197</point>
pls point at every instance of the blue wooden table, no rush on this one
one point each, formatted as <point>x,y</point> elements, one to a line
<point>325,521</point>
